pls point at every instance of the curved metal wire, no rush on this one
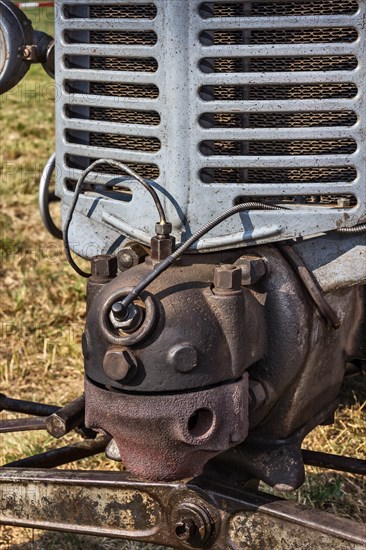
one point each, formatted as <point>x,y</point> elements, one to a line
<point>162,266</point>
<point>120,166</point>
<point>44,198</point>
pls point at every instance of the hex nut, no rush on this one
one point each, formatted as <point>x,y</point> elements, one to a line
<point>227,279</point>
<point>163,229</point>
<point>253,269</point>
<point>162,247</point>
<point>104,266</point>
<point>130,256</point>
<point>126,320</point>
<point>185,529</point>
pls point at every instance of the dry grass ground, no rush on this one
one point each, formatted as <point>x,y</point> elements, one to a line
<point>42,315</point>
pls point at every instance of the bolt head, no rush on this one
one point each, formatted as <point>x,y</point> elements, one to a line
<point>119,312</point>
<point>227,279</point>
<point>104,266</point>
<point>119,364</point>
<point>183,357</point>
<point>130,256</point>
<point>253,269</point>
<point>125,259</point>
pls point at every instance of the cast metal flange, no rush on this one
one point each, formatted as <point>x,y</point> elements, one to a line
<point>116,337</point>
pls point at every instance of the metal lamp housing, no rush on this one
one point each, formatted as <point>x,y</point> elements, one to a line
<point>16,32</point>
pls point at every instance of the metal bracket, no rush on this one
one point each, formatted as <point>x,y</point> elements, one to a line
<point>199,514</point>
<point>29,53</point>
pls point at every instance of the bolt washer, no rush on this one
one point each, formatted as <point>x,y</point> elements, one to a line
<point>193,524</point>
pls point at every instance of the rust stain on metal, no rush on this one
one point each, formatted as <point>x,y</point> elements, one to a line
<point>258,531</point>
<point>127,510</point>
<point>177,449</point>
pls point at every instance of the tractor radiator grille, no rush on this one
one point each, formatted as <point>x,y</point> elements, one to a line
<point>219,102</point>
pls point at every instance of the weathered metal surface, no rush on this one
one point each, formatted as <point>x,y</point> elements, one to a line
<point>74,503</point>
<point>337,261</point>
<point>334,462</point>
<point>261,532</point>
<point>26,407</point>
<point>189,361</point>
<point>259,521</point>
<point>208,331</point>
<point>277,462</point>
<point>310,284</point>
<point>202,514</point>
<point>305,357</point>
<point>22,424</point>
<point>259,116</point>
<point>170,436</point>
<point>227,332</point>
<point>63,455</point>
<point>67,418</point>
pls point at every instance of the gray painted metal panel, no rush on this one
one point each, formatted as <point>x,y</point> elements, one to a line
<point>179,51</point>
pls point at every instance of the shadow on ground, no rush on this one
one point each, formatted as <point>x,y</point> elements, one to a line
<point>353,391</point>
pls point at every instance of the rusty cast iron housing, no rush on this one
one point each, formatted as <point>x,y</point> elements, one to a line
<point>218,334</point>
<point>174,392</point>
